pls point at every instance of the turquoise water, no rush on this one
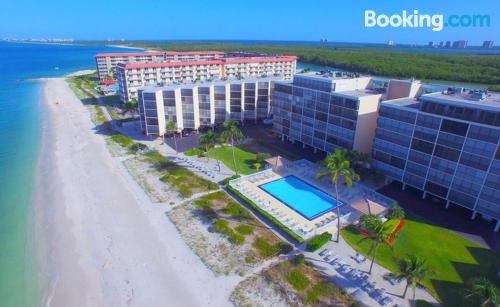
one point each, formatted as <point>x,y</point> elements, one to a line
<point>20,132</point>
<point>300,196</point>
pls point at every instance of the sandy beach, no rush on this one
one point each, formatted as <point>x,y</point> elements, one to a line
<point>101,241</point>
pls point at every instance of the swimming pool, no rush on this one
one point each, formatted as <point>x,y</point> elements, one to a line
<point>300,196</point>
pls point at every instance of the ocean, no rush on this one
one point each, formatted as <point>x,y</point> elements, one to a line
<point>20,133</point>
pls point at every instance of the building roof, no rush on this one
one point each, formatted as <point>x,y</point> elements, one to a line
<point>463,99</point>
<point>367,206</point>
<point>491,100</point>
<point>211,62</point>
<point>403,102</point>
<point>159,53</point>
<point>172,86</point>
<point>330,75</point>
<point>359,93</point>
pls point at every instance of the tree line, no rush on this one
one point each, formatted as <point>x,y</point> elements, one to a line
<point>471,68</point>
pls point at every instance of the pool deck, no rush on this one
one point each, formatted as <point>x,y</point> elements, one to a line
<point>306,171</point>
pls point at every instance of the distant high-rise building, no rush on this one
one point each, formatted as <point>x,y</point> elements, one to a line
<point>448,44</point>
<point>441,44</point>
<point>431,44</point>
<point>391,43</point>
<point>460,44</point>
<point>488,44</point>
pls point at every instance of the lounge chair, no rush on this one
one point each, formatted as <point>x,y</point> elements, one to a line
<point>386,300</point>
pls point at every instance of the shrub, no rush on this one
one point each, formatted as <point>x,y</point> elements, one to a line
<point>423,303</point>
<point>250,259</point>
<point>320,289</point>
<point>318,241</point>
<point>209,213</point>
<point>226,181</point>
<point>299,259</point>
<point>210,185</point>
<point>236,210</point>
<point>155,157</point>
<point>222,226</point>
<point>236,238</point>
<point>216,195</point>
<point>261,156</point>
<point>285,248</point>
<point>244,229</point>
<point>265,248</point>
<point>134,148</point>
<point>369,221</point>
<point>298,280</point>
<point>202,203</point>
<point>122,140</point>
<point>396,212</point>
<point>257,165</point>
<point>185,191</point>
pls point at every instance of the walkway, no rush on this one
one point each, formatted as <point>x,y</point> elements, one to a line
<point>342,268</point>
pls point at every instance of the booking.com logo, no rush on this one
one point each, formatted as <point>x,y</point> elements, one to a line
<point>416,20</point>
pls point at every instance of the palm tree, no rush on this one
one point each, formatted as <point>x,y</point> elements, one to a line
<point>368,221</point>
<point>231,134</point>
<point>130,106</point>
<point>208,140</point>
<point>171,128</point>
<point>485,291</point>
<point>414,269</point>
<point>337,166</point>
<point>378,233</point>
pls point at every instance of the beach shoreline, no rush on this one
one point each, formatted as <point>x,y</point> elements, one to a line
<point>101,242</point>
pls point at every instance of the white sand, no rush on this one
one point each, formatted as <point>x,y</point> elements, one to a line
<point>81,73</point>
<point>101,240</point>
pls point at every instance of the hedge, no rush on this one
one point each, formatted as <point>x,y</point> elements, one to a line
<point>226,181</point>
<point>318,241</point>
<point>271,218</point>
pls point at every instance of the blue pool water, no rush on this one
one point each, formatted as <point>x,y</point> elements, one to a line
<point>300,196</point>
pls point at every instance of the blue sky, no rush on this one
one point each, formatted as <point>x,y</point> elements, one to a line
<point>341,21</point>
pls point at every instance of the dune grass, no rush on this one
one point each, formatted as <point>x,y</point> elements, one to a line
<point>455,260</point>
<point>180,177</point>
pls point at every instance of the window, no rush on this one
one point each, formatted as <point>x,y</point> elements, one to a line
<point>321,116</point>
<point>443,165</point>
<point>484,134</point>
<point>422,146</point>
<point>446,153</point>
<point>436,189</point>
<point>474,161</point>
<point>428,121</point>
<point>454,127</point>
<point>462,199</point>
<point>451,140</point>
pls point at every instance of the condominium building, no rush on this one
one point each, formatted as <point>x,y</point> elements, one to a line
<point>107,62</point>
<point>488,44</point>
<point>204,103</point>
<point>132,76</point>
<point>327,110</point>
<point>446,144</point>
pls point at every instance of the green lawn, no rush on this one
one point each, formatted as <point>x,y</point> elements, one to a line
<point>244,159</point>
<point>456,261</point>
